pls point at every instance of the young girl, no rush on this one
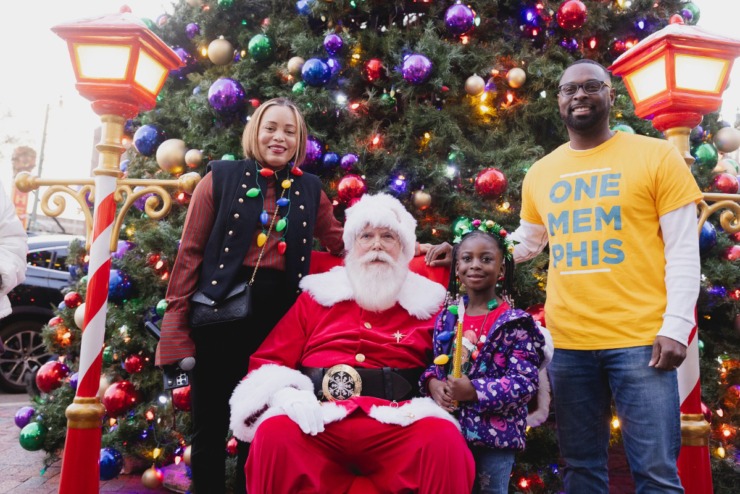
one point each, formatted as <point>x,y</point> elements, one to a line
<point>503,348</point>
<point>253,219</point>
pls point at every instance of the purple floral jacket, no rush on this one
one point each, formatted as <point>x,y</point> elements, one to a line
<point>505,377</point>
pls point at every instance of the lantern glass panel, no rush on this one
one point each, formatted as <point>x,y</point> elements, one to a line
<point>700,73</point>
<point>150,74</point>
<point>102,61</point>
<point>648,80</point>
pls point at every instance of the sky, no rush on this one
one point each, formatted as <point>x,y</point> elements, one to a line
<point>38,74</point>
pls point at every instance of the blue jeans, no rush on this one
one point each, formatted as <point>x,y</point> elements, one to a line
<point>492,469</point>
<point>647,403</point>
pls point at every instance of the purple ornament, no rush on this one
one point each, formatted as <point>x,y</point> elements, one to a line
<point>227,96</point>
<point>192,30</point>
<point>416,69</point>
<point>124,165</point>
<point>697,135</point>
<point>141,201</point>
<point>687,15</point>
<point>333,44</point>
<point>348,161</point>
<point>334,66</point>
<point>187,59</point>
<point>314,153</point>
<point>23,416</point>
<point>570,44</point>
<point>73,380</point>
<point>707,238</point>
<point>148,138</point>
<point>490,85</point>
<point>119,286</point>
<point>459,19</point>
<point>123,247</point>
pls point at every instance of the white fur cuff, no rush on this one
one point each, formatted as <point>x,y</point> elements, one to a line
<point>416,409</point>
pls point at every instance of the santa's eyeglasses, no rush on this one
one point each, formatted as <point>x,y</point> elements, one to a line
<point>387,238</point>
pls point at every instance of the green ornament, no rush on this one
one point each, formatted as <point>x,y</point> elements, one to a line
<point>695,13</point>
<point>225,3</point>
<point>32,436</point>
<point>228,157</point>
<point>108,355</point>
<point>150,24</point>
<point>299,87</point>
<point>706,155</point>
<point>701,347</point>
<point>461,226</point>
<point>281,224</point>
<point>161,307</point>
<point>387,99</point>
<point>623,128</point>
<point>453,309</point>
<point>260,47</point>
<point>455,157</point>
<point>253,192</point>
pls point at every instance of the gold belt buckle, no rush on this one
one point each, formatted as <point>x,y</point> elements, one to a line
<point>341,382</point>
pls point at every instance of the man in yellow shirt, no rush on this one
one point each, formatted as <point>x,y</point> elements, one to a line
<point>618,212</point>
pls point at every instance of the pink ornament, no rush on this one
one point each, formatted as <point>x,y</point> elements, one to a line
<point>133,364</point>
<point>51,375</point>
<point>119,398</point>
<point>572,15</point>
<point>725,183</point>
<point>181,398</point>
<point>707,412</point>
<point>72,300</point>
<point>732,253</point>
<point>537,311</point>
<point>231,446</point>
<point>350,187</point>
<point>490,183</point>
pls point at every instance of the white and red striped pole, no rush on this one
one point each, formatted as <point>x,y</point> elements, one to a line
<point>694,467</point>
<point>80,463</point>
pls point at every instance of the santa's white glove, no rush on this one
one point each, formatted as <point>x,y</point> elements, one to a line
<point>302,407</point>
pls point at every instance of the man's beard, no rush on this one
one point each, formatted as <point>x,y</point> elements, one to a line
<point>586,123</point>
<point>375,285</point>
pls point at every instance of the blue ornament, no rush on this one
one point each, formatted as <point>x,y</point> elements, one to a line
<point>624,128</point>
<point>74,380</point>
<point>62,305</point>
<point>697,135</point>
<point>111,463</point>
<point>128,127</point>
<point>148,138</point>
<point>264,218</point>
<point>192,30</point>
<point>119,286</point>
<point>348,161</point>
<point>283,201</point>
<point>188,63</point>
<point>398,185</point>
<point>459,19</point>
<point>416,69</point>
<point>444,336</point>
<point>330,161</point>
<point>707,238</point>
<point>315,72</point>
<point>333,44</point>
<point>123,165</point>
<point>303,7</point>
<point>227,96</point>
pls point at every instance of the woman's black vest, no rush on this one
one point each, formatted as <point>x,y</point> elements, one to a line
<point>237,217</point>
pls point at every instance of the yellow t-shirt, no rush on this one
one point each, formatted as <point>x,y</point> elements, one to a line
<point>601,209</point>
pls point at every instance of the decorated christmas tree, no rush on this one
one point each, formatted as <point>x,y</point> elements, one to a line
<point>444,105</point>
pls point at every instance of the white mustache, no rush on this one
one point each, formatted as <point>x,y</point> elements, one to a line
<point>376,256</point>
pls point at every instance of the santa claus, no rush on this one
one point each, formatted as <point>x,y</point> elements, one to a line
<point>329,403</point>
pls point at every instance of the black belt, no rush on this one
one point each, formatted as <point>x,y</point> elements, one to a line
<point>343,381</point>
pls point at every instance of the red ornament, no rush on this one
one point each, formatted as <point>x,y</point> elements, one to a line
<point>282,246</point>
<point>617,47</point>
<point>572,15</point>
<point>231,446</point>
<point>537,311</point>
<point>732,253</point>
<point>181,398</point>
<point>490,183</point>
<point>55,321</point>
<point>725,183</point>
<point>296,171</point>
<point>133,364</point>
<point>72,300</point>
<point>372,70</point>
<point>350,187</point>
<point>735,236</point>
<point>266,172</point>
<point>119,398</point>
<point>153,259</point>
<point>51,375</point>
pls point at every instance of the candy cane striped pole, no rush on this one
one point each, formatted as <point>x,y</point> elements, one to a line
<point>694,467</point>
<point>80,463</point>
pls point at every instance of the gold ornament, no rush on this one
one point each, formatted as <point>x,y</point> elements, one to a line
<point>475,85</point>
<point>186,456</point>
<point>516,77</point>
<point>194,158</point>
<point>80,315</point>
<point>220,51</point>
<point>295,65</point>
<point>726,166</point>
<point>171,156</point>
<point>152,478</point>
<point>727,139</point>
<point>422,200</point>
<point>195,3</point>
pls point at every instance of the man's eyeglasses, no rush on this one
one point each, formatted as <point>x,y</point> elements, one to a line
<point>590,87</point>
<point>387,238</point>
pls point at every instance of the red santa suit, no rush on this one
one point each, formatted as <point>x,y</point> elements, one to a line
<point>367,444</point>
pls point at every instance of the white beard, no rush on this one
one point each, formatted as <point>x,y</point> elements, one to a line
<point>375,285</point>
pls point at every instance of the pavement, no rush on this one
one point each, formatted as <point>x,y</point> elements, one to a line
<point>20,470</point>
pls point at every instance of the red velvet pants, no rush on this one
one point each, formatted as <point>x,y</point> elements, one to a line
<point>359,455</point>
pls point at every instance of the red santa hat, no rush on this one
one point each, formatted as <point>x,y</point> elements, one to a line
<point>381,210</point>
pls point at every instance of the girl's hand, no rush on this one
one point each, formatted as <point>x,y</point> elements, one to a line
<point>437,255</point>
<point>461,389</point>
<point>439,392</point>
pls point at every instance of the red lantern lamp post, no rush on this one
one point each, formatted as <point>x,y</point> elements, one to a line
<point>676,76</point>
<point>121,66</point>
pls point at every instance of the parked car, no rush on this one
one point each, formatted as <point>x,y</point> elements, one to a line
<point>33,304</point>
